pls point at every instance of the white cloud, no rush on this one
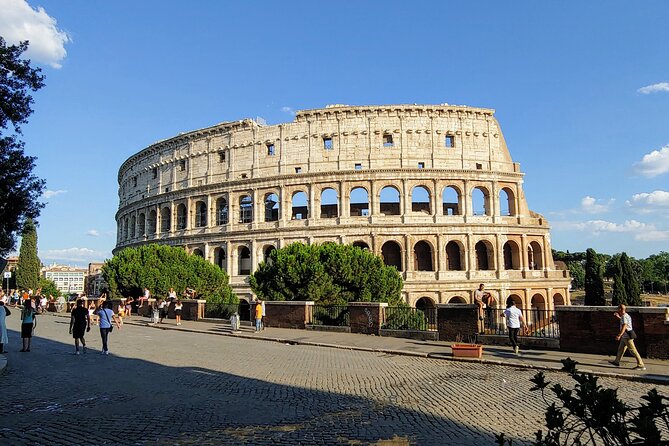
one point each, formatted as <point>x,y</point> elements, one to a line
<point>592,205</point>
<point>654,88</point>
<point>19,22</point>
<point>652,236</point>
<point>78,255</point>
<point>51,193</point>
<point>654,163</point>
<point>288,110</point>
<point>596,227</point>
<point>645,202</point>
<point>93,233</point>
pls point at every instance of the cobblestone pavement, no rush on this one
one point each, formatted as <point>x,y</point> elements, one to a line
<point>166,387</point>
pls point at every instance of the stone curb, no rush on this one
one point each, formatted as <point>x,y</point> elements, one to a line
<point>441,356</point>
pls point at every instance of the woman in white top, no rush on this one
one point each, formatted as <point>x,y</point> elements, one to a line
<point>106,317</point>
<point>177,310</point>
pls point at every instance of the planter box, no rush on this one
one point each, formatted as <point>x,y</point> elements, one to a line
<point>467,350</point>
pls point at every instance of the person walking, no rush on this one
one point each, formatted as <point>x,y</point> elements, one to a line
<point>4,312</point>
<point>258,315</point>
<point>626,338</point>
<point>178,306</point>
<point>28,324</point>
<point>514,318</point>
<point>80,323</point>
<point>264,313</point>
<point>162,310</point>
<point>106,317</point>
<point>128,306</point>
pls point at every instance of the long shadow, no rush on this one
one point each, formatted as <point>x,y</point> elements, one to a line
<point>50,397</point>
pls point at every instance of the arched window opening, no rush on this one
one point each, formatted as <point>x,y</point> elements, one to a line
<point>181,216</point>
<point>329,203</point>
<point>198,252</point>
<point>244,266</point>
<point>558,299</point>
<point>534,256</point>
<point>390,201</point>
<point>538,302</point>
<point>300,206</point>
<point>451,201</point>
<point>515,299</point>
<point>200,214</point>
<point>165,220</point>
<point>453,256</point>
<point>362,245</point>
<point>480,201</point>
<point>420,200</point>
<point>483,256</point>
<point>126,225</point>
<point>457,300</point>
<point>151,223</point>
<point>221,212</point>
<point>141,225</point>
<point>392,255</point>
<point>271,207</point>
<point>425,303</point>
<point>423,256</point>
<point>359,202</point>
<point>507,202</point>
<point>511,255</point>
<point>245,209</point>
<point>267,252</point>
<point>133,225</point>
<point>220,258</point>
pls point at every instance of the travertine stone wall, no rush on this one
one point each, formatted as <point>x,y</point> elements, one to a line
<point>460,218</point>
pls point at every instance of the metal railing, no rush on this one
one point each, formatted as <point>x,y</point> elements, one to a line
<point>409,318</point>
<point>331,315</point>
<point>541,323</point>
<point>219,310</point>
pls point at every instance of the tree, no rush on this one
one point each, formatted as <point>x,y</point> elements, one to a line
<point>594,282</point>
<point>48,287</point>
<point>20,188</point>
<point>328,274</point>
<point>161,267</point>
<point>630,281</point>
<point>28,267</point>
<point>619,293</point>
<point>577,273</point>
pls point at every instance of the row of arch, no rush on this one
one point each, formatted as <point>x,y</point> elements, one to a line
<point>537,301</point>
<point>389,204</point>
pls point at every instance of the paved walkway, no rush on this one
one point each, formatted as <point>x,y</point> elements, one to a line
<point>657,371</point>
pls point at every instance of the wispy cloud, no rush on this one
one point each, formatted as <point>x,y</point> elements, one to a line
<point>654,88</point>
<point>654,163</point>
<point>288,110</point>
<point>77,255</point>
<point>593,205</point>
<point>93,233</point>
<point>51,193</point>
<point>19,22</point>
<point>599,226</point>
<point>652,236</point>
<point>645,202</point>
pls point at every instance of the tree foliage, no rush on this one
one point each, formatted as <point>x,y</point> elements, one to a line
<point>328,274</point>
<point>161,267</point>
<point>594,281</point>
<point>590,414</point>
<point>48,287</point>
<point>20,189</point>
<point>29,266</point>
<point>630,280</point>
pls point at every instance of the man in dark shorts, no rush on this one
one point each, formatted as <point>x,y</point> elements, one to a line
<point>80,323</point>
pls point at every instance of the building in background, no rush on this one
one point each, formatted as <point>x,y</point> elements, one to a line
<point>68,279</point>
<point>95,283</point>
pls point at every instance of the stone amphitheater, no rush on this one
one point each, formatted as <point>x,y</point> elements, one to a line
<point>430,188</point>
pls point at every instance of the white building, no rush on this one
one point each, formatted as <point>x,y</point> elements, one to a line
<point>68,279</point>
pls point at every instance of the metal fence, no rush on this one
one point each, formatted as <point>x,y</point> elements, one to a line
<point>220,310</point>
<point>409,318</point>
<point>541,323</point>
<point>331,315</point>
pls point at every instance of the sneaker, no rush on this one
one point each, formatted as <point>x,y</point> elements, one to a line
<point>76,352</point>
<point>617,364</point>
<point>639,367</point>
<point>516,349</point>
<point>85,349</point>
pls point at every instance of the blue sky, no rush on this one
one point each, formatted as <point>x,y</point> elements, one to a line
<point>581,90</point>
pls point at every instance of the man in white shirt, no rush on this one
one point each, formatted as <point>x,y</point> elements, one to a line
<point>626,339</point>
<point>514,318</point>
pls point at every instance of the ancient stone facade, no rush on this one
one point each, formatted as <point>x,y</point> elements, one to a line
<point>432,189</point>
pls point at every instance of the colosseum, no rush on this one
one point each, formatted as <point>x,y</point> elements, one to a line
<point>432,189</point>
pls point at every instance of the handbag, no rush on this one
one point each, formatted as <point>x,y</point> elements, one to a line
<point>632,334</point>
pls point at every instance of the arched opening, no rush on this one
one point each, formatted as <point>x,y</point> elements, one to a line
<point>457,300</point>
<point>484,260</point>
<point>359,202</point>
<point>538,302</point>
<point>165,220</point>
<point>534,256</point>
<point>507,202</point>
<point>300,208</point>
<point>558,299</point>
<point>451,201</point>
<point>511,255</point>
<point>244,263</point>
<point>454,259</point>
<point>198,252</point>
<point>151,222</point>
<point>420,200</point>
<point>181,216</point>
<point>244,310</point>
<point>126,225</point>
<point>392,255</point>
<point>267,252</point>
<point>221,212</point>
<point>200,214</point>
<point>329,203</point>
<point>516,299</point>
<point>220,258</point>
<point>480,201</point>
<point>427,306</point>
<point>390,201</point>
<point>245,209</point>
<point>362,245</point>
<point>141,225</point>
<point>133,225</point>
<point>422,256</point>
<point>271,207</point>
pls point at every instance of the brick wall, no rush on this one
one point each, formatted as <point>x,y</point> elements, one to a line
<point>366,317</point>
<point>295,314</point>
<point>193,309</point>
<point>457,320</point>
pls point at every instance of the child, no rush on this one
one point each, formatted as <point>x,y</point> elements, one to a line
<point>177,310</point>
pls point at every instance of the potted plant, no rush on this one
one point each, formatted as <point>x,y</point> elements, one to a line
<point>466,349</point>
